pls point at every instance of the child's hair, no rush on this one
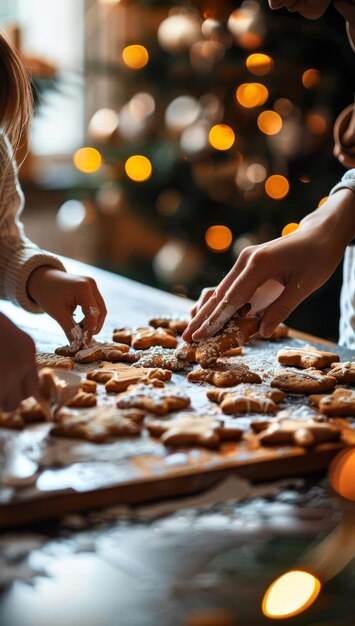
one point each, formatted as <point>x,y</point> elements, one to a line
<point>15,94</point>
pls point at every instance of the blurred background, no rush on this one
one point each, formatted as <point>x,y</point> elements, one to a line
<point>170,135</point>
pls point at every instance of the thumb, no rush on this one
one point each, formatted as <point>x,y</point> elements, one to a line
<point>280,309</point>
<point>66,321</point>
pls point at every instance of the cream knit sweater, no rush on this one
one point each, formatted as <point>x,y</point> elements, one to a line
<point>18,255</point>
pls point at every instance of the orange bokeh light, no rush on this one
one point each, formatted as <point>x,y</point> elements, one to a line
<point>135,56</point>
<point>342,473</point>
<point>311,78</point>
<point>269,122</point>
<point>290,594</point>
<point>218,238</point>
<point>259,64</point>
<point>221,137</point>
<point>277,186</point>
<point>322,201</point>
<point>316,123</point>
<point>87,160</point>
<point>249,41</point>
<point>138,168</point>
<point>289,228</point>
<point>251,95</point>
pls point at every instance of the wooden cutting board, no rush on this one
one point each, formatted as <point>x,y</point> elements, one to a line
<point>77,475</point>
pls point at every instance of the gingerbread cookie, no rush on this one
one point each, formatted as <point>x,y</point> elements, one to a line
<point>237,351</point>
<point>156,400</point>
<point>306,434</point>
<point>339,403</point>
<point>246,399</point>
<point>344,372</point>
<point>99,425</point>
<point>225,376</point>
<point>155,357</point>
<point>13,421</point>
<point>303,381</point>
<point>89,386</point>
<point>147,338</point>
<point>280,332</point>
<point>306,357</point>
<point>236,332</point>
<point>187,352</point>
<point>99,352</point>
<point>82,400</point>
<point>127,334</point>
<point>175,323</point>
<point>46,359</point>
<point>119,377</point>
<point>190,430</point>
<point>31,411</point>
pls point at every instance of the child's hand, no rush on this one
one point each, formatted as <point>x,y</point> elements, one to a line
<point>301,262</point>
<point>204,296</point>
<point>18,372</point>
<point>59,294</point>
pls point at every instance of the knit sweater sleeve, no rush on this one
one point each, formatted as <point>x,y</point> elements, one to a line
<point>19,256</point>
<point>347,182</point>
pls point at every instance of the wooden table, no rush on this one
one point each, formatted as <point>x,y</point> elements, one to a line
<point>163,573</point>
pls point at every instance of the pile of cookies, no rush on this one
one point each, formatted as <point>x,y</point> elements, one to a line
<point>129,390</point>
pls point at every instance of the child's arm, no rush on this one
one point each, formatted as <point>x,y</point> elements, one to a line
<point>34,279</point>
<point>301,261</point>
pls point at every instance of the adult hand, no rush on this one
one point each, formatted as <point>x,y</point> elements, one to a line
<point>59,294</point>
<point>18,372</point>
<point>301,262</point>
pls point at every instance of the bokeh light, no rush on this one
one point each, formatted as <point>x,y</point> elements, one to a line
<point>138,168</point>
<point>342,474</point>
<point>87,160</point>
<point>178,32</point>
<point>311,78</point>
<point>289,228</point>
<point>256,172</point>
<point>251,95</point>
<point>182,112</point>
<point>277,186</point>
<point>283,106</point>
<point>71,215</point>
<point>291,594</point>
<point>269,122</point>
<point>221,137</point>
<point>259,64</point>
<point>322,201</point>
<point>103,124</point>
<point>135,56</point>
<point>168,202</point>
<point>316,123</point>
<point>218,238</point>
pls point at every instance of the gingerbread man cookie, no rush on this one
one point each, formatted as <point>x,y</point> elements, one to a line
<point>156,400</point>
<point>226,376</point>
<point>177,323</point>
<point>303,381</point>
<point>306,357</point>
<point>190,430</point>
<point>119,377</point>
<point>147,338</point>
<point>305,434</point>
<point>99,425</point>
<point>339,403</point>
<point>236,332</point>
<point>344,372</point>
<point>46,359</point>
<point>246,399</point>
<point>98,352</point>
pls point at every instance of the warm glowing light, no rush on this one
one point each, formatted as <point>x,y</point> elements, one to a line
<point>110,2</point>
<point>259,64</point>
<point>305,180</point>
<point>269,122</point>
<point>249,41</point>
<point>221,137</point>
<point>342,472</point>
<point>135,56</point>
<point>289,228</point>
<point>138,168</point>
<point>71,215</point>
<point>291,594</point>
<point>310,78</point>
<point>103,124</point>
<point>218,238</point>
<point>87,160</point>
<point>251,95</point>
<point>283,106</point>
<point>277,186</point>
<point>322,201</point>
<point>316,123</point>
<point>178,32</point>
<point>256,172</point>
<point>181,113</point>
